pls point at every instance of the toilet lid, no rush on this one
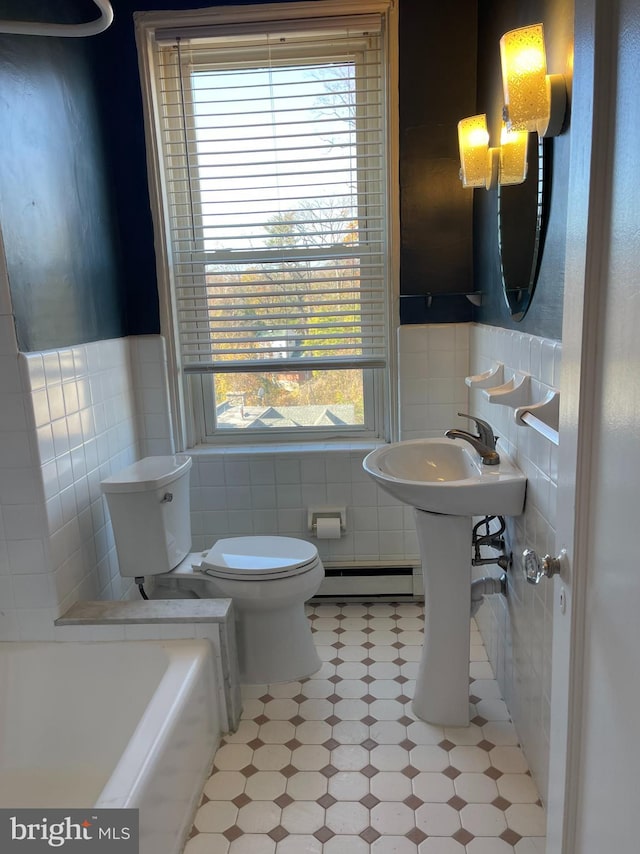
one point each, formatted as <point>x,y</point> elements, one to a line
<point>259,557</point>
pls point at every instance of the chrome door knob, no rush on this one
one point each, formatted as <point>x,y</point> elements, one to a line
<point>535,568</point>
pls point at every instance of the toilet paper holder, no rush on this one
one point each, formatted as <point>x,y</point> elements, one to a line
<point>315,513</point>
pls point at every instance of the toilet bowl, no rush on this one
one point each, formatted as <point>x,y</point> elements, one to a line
<point>268,578</point>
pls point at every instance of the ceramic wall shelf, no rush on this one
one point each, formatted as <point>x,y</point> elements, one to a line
<point>519,393</point>
<point>494,376</point>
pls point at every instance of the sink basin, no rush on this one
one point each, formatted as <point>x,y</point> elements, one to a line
<point>447,476</point>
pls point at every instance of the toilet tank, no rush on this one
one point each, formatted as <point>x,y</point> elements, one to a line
<point>149,508</point>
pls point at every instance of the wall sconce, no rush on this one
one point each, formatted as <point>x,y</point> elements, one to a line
<point>482,166</point>
<point>534,100</point>
<point>513,156</point>
<point>478,162</point>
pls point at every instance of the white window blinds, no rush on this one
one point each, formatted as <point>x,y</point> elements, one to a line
<point>273,150</point>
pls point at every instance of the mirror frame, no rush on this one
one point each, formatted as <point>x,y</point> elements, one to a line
<point>522,221</point>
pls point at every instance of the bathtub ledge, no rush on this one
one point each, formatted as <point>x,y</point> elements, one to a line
<point>111,612</point>
<point>205,618</point>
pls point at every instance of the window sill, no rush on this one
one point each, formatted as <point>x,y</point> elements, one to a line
<point>277,448</point>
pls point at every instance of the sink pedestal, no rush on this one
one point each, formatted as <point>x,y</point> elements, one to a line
<point>442,686</point>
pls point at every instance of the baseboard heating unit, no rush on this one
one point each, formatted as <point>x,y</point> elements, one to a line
<point>370,582</point>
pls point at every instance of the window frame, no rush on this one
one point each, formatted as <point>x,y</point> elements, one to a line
<point>191,393</point>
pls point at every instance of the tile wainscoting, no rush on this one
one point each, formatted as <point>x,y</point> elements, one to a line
<point>277,488</point>
<point>74,416</point>
<point>70,418</point>
<point>517,630</point>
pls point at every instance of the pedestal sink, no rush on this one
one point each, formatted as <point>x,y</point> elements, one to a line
<point>446,483</point>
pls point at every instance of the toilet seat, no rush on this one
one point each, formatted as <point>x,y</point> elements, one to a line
<point>259,558</point>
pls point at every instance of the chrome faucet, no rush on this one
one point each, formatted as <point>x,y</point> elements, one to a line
<point>484,443</point>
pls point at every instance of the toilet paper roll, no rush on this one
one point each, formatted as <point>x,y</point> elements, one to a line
<point>328,529</point>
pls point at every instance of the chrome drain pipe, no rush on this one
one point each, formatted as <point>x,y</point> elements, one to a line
<point>482,587</point>
<point>488,585</point>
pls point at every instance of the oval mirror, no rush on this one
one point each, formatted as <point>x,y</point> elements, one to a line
<point>521,227</point>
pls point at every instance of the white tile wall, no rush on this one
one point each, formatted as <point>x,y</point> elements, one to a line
<point>517,630</point>
<point>27,598</point>
<point>86,429</point>
<point>68,420</point>
<point>279,488</point>
<point>71,417</point>
<point>148,357</point>
<point>433,362</point>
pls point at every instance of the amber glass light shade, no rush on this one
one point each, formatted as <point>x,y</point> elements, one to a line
<point>524,78</point>
<point>513,156</point>
<point>473,140</point>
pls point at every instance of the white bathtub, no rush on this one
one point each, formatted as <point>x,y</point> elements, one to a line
<point>120,724</point>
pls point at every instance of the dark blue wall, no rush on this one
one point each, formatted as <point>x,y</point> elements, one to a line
<point>437,88</point>
<point>117,79</point>
<point>55,206</point>
<point>75,152</point>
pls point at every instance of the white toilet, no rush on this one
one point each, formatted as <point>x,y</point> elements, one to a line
<point>268,578</point>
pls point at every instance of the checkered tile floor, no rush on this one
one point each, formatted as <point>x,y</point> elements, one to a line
<point>339,764</point>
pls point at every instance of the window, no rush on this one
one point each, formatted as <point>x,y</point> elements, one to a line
<point>273,188</point>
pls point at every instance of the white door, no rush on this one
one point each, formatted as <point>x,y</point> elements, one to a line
<point>595,752</point>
